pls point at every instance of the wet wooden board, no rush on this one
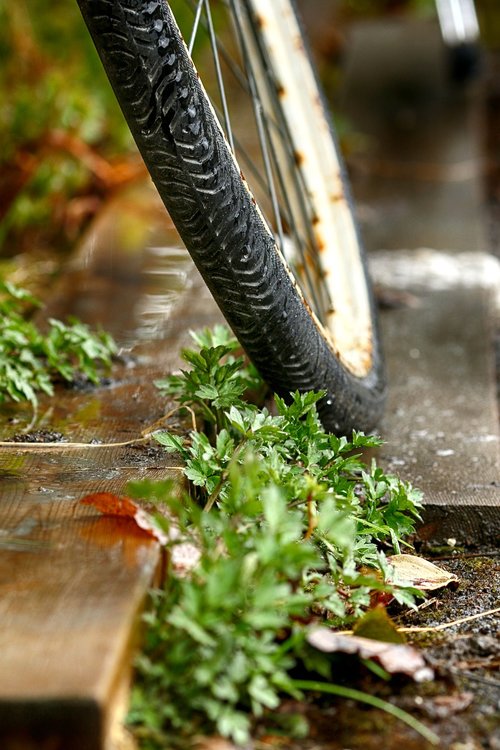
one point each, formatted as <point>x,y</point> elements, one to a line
<point>72,583</point>
<point>419,183</point>
<point>441,422</point>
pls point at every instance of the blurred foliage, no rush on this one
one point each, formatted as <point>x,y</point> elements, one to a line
<point>65,143</point>
<point>64,140</point>
<point>30,360</point>
<point>489,21</point>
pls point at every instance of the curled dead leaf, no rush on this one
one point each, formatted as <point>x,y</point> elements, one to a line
<point>184,555</point>
<point>420,573</point>
<point>112,505</point>
<point>393,657</point>
<point>214,743</point>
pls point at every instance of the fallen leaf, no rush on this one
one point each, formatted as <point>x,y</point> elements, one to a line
<point>184,555</point>
<point>112,505</point>
<point>393,657</point>
<point>420,573</point>
<point>214,743</point>
<point>377,625</point>
<point>488,662</point>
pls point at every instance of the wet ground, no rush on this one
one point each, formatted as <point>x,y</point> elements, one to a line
<point>461,705</point>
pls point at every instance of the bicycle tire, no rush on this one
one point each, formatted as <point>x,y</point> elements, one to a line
<point>206,195</point>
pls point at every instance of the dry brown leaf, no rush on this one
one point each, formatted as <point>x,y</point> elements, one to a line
<point>214,743</point>
<point>185,557</point>
<point>112,505</point>
<point>393,657</point>
<point>420,573</point>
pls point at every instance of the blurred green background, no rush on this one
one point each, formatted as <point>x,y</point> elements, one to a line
<point>64,142</point>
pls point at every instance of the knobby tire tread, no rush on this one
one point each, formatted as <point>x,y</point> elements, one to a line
<point>188,158</point>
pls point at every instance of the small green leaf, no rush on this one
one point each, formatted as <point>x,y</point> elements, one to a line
<point>286,521</point>
<point>171,442</point>
<point>274,507</point>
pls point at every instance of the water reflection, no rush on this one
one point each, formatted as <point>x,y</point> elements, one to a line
<point>131,270</point>
<point>164,276</point>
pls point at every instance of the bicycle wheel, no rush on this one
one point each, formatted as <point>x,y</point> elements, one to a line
<point>293,286</point>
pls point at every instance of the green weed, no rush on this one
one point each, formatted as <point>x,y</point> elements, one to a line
<point>30,360</point>
<point>284,524</point>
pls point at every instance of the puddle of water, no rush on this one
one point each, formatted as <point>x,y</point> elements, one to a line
<point>18,539</point>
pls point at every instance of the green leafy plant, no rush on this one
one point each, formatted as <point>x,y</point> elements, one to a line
<point>285,524</point>
<point>30,360</point>
<point>296,453</point>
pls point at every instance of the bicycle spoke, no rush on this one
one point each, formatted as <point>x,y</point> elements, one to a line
<point>218,73</point>
<point>196,24</point>
<point>258,113</point>
<point>300,243</point>
<point>283,186</point>
<point>305,247</point>
<point>308,248</point>
<point>232,65</point>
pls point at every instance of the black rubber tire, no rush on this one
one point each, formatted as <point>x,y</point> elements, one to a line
<point>187,156</point>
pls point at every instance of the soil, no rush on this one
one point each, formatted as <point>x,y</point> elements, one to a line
<point>38,436</point>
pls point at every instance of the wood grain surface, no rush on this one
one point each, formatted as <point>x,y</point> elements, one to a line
<point>72,582</point>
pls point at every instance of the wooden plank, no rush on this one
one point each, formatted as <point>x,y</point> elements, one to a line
<point>72,587</point>
<point>441,423</point>
<point>419,183</point>
<point>71,581</point>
